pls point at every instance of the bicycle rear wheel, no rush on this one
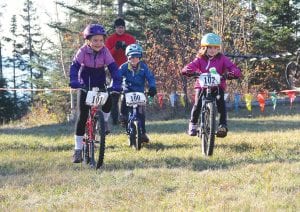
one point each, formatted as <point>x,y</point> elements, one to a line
<point>208,134</point>
<point>100,136</point>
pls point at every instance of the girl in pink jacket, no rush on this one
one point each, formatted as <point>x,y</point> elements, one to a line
<point>210,58</point>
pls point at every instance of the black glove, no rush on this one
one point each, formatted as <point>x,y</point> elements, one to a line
<point>152,91</point>
<point>124,46</point>
<point>121,45</point>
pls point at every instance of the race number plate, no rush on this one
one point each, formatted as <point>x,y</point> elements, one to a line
<point>95,98</point>
<point>135,98</point>
<point>209,80</point>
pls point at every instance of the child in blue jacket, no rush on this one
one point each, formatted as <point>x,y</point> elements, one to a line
<point>134,73</point>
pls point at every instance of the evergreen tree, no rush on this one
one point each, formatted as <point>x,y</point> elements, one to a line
<point>2,6</point>
<point>32,41</point>
<point>274,33</point>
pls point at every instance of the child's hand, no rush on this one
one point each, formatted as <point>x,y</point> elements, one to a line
<point>119,44</point>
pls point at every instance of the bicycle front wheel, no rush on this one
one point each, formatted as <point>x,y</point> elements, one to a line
<point>208,130</point>
<point>132,133</point>
<point>100,137</point>
<point>138,143</point>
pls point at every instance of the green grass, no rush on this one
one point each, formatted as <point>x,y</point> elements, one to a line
<point>255,168</point>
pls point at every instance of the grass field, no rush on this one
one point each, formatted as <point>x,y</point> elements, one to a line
<point>255,168</point>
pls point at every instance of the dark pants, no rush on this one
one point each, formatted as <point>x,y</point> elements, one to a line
<point>127,112</point>
<point>115,108</point>
<point>83,111</point>
<point>221,105</point>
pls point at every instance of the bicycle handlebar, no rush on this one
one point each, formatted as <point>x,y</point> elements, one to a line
<point>226,75</point>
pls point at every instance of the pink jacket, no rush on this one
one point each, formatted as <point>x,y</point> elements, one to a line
<point>202,65</point>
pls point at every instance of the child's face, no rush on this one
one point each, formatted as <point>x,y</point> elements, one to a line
<point>134,60</point>
<point>212,51</point>
<point>96,42</point>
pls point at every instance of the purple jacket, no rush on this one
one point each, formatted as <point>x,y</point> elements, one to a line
<point>203,64</point>
<point>88,67</point>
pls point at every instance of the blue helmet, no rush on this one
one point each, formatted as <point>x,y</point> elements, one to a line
<point>211,39</point>
<point>134,50</point>
<point>93,29</point>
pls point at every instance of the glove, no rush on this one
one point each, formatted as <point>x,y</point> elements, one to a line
<point>231,76</point>
<point>75,84</point>
<point>119,44</point>
<point>124,46</point>
<point>152,91</point>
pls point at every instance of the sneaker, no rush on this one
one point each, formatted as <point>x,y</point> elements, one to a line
<point>192,129</point>
<point>145,138</point>
<point>106,127</point>
<point>77,156</point>
<point>222,131</point>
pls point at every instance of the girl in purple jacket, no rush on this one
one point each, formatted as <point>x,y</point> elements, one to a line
<point>210,58</point>
<point>88,70</point>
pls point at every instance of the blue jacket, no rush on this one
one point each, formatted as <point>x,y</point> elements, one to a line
<point>88,67</point>
<point>135,80</point>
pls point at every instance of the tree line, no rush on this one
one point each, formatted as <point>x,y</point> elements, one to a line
<point>170,33</point>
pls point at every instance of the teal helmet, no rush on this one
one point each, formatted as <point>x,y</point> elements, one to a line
<point>211,39</point>
<point>134,50</point>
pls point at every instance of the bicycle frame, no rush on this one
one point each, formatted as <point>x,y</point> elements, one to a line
<point>207,125</point>
<point>134,128</point>
<point>94,125</point>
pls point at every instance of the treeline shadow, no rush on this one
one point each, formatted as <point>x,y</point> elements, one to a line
<point>253,125</point>
<point>200,163</point>
<point>42,130</point>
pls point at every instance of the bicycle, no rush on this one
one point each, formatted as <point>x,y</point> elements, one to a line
<point>134,100</point>
<point>95,128</point>
<point>207,122</point>
<point>292,73</point>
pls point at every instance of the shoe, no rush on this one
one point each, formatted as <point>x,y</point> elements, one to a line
<point>222,131</point>
<point>192,129</point>
<point>145,138</point>
<point>77,156</point>
<point>106,127</point>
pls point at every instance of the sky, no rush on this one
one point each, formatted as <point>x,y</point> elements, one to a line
<point>45,10</point>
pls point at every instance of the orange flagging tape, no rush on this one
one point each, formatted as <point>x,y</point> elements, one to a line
<point>36,89</point>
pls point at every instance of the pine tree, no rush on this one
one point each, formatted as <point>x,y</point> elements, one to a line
<point>274,33</point>
<point>32,40</point>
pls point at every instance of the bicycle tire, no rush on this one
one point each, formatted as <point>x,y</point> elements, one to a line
<point>132,134</point>
<point>92,154</point>
<point>85,151</point>
<point>208,134</point>
<point>291,71</point>
<point>100,132</point>
<point>138,143</point>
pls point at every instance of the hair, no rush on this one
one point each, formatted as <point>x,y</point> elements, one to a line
<point>119,22</point>
<point>202,52</point>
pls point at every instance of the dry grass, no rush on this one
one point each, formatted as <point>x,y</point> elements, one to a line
<point>255,168</point>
